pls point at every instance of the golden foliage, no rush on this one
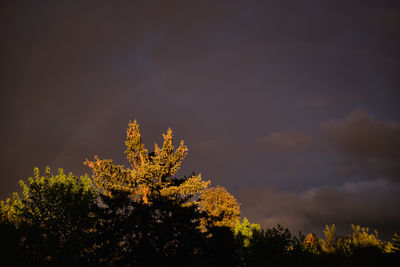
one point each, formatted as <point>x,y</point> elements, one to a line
<point>151,173</point>
<point>221,205</point>
<point>312,244</point>
<point>357,240</point>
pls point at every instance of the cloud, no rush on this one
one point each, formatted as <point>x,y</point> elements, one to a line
<point>368,203</point>
<point>363,136</point>
<point>370,148</point>
<point>284,141</point>
<point>370,168</point>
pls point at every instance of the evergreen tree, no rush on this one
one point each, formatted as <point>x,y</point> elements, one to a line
<point>163,233</point>
<point>150,173</point>
<point>273,247</point>
<point>150,216</point>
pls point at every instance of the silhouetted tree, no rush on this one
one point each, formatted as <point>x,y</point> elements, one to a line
<point>54,220</point>
<point>273,247</point>
<point>163,233</point>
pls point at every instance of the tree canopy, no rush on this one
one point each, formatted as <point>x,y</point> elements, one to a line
<point>150,173</point>
<point>54,218</point>
<point>221,206</point>
<point>143,215</point>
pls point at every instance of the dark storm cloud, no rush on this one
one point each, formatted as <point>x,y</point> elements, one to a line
<point>373,204</point>
<point>370,148</point>
<point>361,135</point>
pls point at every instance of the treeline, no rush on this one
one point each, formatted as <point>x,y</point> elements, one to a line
<point>145,216</point>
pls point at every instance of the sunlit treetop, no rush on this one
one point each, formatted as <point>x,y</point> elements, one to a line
<point>44,192</point>
<point>244,231</point>
<point>359,238</point>
<point>150,173</point>
<point>220,205</point>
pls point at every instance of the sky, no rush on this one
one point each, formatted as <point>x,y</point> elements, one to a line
<point>293,106</point>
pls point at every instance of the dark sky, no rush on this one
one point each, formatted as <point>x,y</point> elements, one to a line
<point>293,106</point>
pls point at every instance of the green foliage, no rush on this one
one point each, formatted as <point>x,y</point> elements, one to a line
<point>54,218</point>
<point>43,195</point>
<point>244,231</point>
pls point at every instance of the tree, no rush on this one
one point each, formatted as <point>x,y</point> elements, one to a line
<point>151,172</point>
<point>222,208</point>
<point>312,244</point>
<point>273,247</point>
<point>163,233</point>
<point>150,216</point>
<point>54,219</point>
<point>360,239</point>
<point>244,231</point>
<point>330,244</point>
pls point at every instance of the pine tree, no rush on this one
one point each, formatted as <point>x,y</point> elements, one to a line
<point>151,173</point>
